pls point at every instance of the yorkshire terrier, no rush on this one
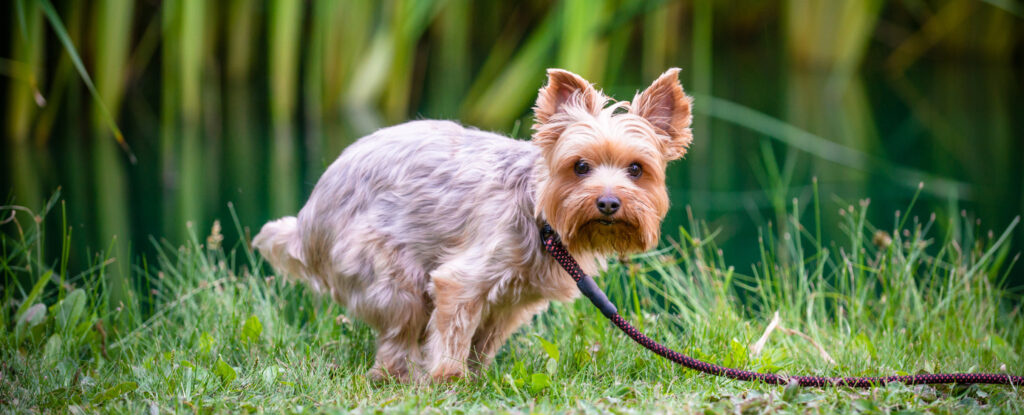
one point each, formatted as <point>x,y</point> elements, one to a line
<point>430,231</point>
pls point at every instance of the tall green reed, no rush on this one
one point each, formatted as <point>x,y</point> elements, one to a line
<point>286,18</point>
<point>352,67</point>
<point>110,46</point>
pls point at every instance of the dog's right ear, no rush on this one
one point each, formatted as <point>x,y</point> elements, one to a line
<point>565,92</point>
<point>565,89</point>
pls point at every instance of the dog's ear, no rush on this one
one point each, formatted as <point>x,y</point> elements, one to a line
<point>667,108</point>
<point>565,91</point>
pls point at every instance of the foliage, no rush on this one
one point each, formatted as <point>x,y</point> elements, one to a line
<point>209,330</point>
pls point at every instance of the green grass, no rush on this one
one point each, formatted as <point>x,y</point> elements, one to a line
<point>207,329</point>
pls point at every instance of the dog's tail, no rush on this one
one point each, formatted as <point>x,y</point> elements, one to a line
<point>280,244</point>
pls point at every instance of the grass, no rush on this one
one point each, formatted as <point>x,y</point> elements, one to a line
<point>208,329</point>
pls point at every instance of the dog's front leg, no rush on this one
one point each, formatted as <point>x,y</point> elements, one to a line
<point>496,329</point>
<point>455,318</point>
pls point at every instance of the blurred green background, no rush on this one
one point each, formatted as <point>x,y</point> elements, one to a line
<point>247,102</point>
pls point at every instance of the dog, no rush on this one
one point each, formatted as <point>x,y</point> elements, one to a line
<point>429,231</point>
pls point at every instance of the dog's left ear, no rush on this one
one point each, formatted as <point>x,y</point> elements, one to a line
<point>667,108</point>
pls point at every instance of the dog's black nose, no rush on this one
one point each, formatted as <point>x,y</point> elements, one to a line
<point>608,204</point>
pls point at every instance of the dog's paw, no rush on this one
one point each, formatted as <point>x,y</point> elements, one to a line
<point>447,373</point>
<point>378,374</point>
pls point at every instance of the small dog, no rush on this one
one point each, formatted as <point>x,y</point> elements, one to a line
<point>430,231</point>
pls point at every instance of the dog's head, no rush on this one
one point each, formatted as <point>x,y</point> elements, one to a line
<point>603,185</point>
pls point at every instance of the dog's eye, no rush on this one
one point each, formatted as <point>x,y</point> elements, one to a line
<point>634,170</point>
<point>581,168</point>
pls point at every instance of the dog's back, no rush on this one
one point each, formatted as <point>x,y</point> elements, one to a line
<point>411,193</point>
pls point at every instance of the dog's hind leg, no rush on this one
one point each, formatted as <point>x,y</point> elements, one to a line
<point>396,306</point>
<point>400,318</point>
<point>397,353</point>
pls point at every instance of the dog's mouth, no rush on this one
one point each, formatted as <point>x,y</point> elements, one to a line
<point>607,222</point>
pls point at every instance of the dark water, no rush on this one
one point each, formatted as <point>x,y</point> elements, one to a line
<point>956,126</point>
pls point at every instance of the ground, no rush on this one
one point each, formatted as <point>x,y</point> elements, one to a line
<point>209,329</point>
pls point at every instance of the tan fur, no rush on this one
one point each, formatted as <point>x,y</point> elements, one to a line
<point>429,231</point>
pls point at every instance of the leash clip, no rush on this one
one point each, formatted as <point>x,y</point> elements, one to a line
<point>547,232</point>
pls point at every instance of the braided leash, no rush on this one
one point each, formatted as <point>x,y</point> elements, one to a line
<point>590,289</point>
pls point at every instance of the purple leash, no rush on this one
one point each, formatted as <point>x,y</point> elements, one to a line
<point>590,289</point>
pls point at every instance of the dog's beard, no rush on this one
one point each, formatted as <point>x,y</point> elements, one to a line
<point>605,235</point>
<point>635,228</point>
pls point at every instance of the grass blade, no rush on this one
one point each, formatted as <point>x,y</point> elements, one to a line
<point>818,146</point>
<point>30,299</point>
<point>65,40</point>
<point>516,85</point>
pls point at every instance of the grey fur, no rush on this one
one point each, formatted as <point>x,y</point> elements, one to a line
<point>398,204</point>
